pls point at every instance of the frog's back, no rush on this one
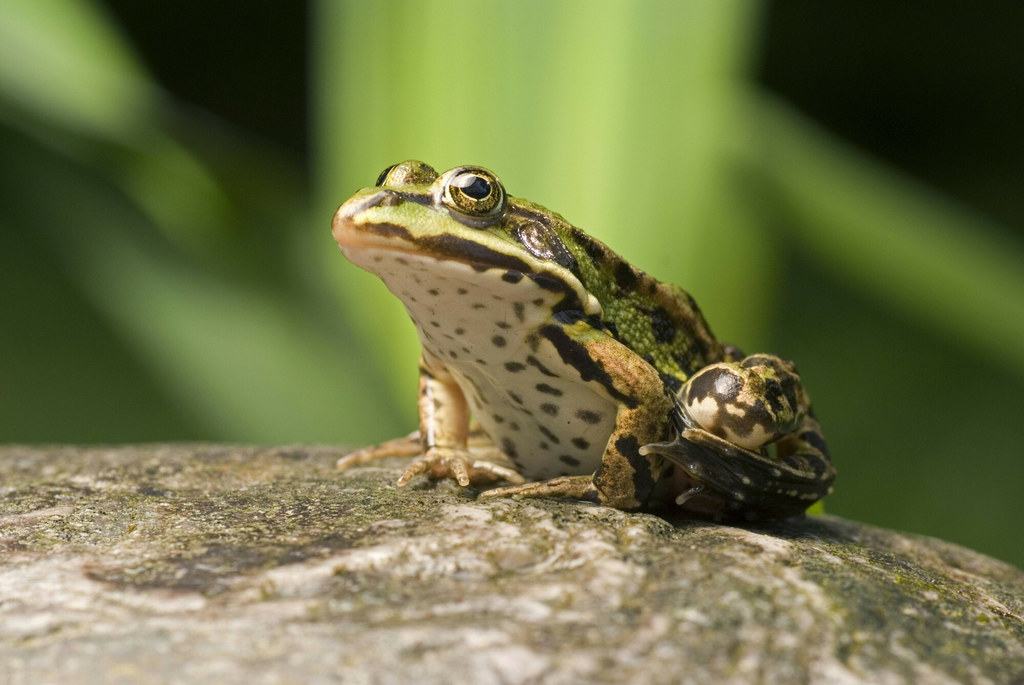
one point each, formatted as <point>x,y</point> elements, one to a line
<point>661,322</point>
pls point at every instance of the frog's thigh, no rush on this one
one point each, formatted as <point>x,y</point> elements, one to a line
<point>626,477</point>
<point>750,403</point>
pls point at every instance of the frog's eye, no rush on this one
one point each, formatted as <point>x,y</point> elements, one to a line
<point>475,191</point>
<point>384,176</point>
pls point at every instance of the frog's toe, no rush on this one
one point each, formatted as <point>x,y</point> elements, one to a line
<point>438,463</point>
<point>566,487</point>
<point>454,466</point>
<point>482,471</point>
<point>409,446</point>
<point>459,465</point>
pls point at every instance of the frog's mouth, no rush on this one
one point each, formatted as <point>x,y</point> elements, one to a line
<point>364,228</point>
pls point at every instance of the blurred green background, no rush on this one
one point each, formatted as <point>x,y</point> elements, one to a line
<point>838,183</point>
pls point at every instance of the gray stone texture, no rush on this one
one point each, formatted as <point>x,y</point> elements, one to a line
<point>223,564</point>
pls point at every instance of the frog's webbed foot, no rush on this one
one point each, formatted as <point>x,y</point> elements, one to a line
<point>461,465</point>
<point>751,484</point>
<point>564,487</point>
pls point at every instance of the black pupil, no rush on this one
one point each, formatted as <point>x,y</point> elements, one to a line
<point>474,186</point>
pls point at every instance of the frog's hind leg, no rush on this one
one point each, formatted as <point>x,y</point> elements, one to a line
<point>753,484</point>
<point>565,487</point>
<point>805,455</point>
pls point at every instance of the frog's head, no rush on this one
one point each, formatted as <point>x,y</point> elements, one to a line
<point>464,226</point>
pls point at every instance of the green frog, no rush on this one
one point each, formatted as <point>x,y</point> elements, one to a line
<point>553,364</point>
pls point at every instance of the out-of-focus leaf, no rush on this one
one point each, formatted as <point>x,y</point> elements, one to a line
<point>248,360</point>
<point>69,78</point>
<point>61,61</point>
<point>936,261</point>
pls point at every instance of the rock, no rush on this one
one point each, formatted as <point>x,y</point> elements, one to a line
<point>197,563</point>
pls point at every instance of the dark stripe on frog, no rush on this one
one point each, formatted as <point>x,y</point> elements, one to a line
<point>526,214</point>
<point>476,255</point>
<point>509,448</point>
<point>643,479</point>
<point>576,355</point>
<point>662,326</point>
<point>595,250</point>
<point>389,230</point>
<point>626,277</point>
<point>570,300</point>
<point>670,381</point>
<point>574,316</point>
<point>776,397</point>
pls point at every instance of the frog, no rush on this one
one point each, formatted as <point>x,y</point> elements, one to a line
<point>553,365</point>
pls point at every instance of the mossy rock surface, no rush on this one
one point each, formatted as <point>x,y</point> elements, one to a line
<point>212,563</point>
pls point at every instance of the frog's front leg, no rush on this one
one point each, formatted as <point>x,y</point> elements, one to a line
<point>444,433</point>
<point>444,439</point>
<point>411,445</point>
<point>625,477</point>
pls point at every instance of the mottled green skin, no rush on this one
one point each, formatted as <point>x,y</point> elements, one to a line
<point>660,322</point>
<point>583,371</point>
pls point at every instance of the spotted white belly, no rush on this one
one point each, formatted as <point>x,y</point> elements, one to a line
<point>481,324</point>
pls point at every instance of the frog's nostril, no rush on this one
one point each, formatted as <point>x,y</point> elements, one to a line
<point>383,198</point>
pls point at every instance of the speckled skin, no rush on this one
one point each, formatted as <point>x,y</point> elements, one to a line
<point>585,372</point>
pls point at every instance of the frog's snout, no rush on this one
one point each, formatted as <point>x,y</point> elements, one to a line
<point>346,224</point>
